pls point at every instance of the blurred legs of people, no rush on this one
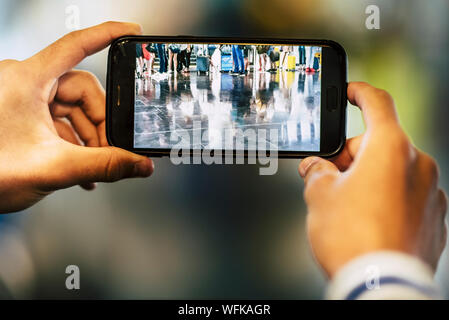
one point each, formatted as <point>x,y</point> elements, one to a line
<point>173,58</point>
<point>139,62</point>
<point>161,54</point>
<point>239,62</point>
<point>302,57</point>
<point>310,56</point>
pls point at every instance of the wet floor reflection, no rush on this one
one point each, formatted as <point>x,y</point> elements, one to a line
<point>288,101</point>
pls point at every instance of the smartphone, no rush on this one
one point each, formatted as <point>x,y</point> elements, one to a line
<point>227,94</point>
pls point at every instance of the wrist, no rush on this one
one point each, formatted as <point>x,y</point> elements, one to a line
<point>370,275</point>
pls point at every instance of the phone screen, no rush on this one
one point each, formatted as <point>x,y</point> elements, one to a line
<point>227,96</point>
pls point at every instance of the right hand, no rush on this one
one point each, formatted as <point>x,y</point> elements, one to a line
<point>379,193</point>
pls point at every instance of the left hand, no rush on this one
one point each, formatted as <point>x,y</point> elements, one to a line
<point>52,122</point>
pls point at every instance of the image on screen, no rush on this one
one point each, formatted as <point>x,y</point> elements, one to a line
<point>226,92</point>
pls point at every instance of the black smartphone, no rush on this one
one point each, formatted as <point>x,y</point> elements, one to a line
<point>228,94</point>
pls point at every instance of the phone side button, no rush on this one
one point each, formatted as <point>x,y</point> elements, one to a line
<point>331,98</point>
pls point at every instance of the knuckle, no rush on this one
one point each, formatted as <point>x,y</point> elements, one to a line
<point>87,76</point>
<point>112,168</point>
<point>9,69</point>
<point>364,85</point>
<point>400,143</point>
<point>73,34</point>
<point>110,23</point>
<point>116,166</point>
<point>430,165</point>
<point>8,64</point>
<point>385,95</point>
<point>433,167</point>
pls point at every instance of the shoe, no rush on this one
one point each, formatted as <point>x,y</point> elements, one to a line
<point>310,70</point>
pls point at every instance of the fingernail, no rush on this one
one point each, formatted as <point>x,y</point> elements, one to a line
<point>143,168</point>
<point>306,164</point>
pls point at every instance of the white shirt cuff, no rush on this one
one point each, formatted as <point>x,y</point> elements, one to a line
<point>384,275</point>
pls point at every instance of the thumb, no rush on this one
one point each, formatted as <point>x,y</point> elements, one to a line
<point>107,164</point>
<point>315,168</point>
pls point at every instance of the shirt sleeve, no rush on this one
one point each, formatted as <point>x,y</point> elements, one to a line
<point>384,275</point>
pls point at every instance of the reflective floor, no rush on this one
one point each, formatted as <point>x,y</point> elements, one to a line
<point>221,107</point>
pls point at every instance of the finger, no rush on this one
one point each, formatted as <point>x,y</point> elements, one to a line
<point>101,130</point>
<point>318,175</point>
<point>377,105</point>
<point>345,158</point>
<point>314,166</point>
<point>84,128</point>
<point>83,89</point>
<point>106,164</point>
<point>68,51</point>
<point>81,124</point>
<point>429,170</point>
<point>66,132</point>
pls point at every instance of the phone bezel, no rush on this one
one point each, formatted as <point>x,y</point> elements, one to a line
<point>120,92</point>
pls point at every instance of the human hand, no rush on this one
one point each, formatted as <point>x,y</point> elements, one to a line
<point>45,109</point>
<point>379,193</point>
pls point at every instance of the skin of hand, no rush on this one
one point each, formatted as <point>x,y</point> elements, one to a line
<point>379,193</point>
<point>52,122</point>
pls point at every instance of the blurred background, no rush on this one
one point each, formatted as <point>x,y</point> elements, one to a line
<point>216,231</point>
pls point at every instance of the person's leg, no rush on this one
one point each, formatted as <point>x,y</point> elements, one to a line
<point>284,60</point>
<point>161,54</point>
<point>235,58</point>
<point>142,64</point>
<point>153,57</point>
<point>170,60</point>
<point>302,56</point>
<point>314,51</point>
<point>281,59</point>
<point>145,66</point>
<point>175,62</point>
<point>309,58</point>
<point>241,60</point>
<point>188,54</point>
<point>184,60</point>
<point>166,59</point>
<point>179,60</point>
